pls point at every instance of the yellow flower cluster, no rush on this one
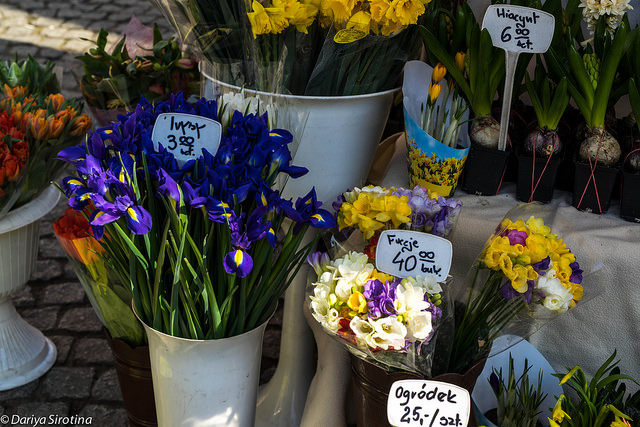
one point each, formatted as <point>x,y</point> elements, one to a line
<point>372,211</point>
<point>432,169</point>
<point>516,260</point>
<point>371,16</point>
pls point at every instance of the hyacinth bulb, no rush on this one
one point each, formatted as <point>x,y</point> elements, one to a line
<point>485,131</point>
<point>600,146</point>
<point>543,141</point>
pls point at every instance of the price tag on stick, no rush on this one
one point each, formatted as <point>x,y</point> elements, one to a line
<point>428,403</point>
<point>185,135</point>
<point>404,253</point>
<point>516,29</point>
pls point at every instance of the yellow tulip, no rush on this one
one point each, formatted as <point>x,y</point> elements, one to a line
<point>434,92</point>
<point>460,60</point>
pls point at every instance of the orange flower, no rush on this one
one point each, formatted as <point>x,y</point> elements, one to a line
<point>55,100</point>
<point>66,115</point>
<point>56,126</point>
<point>39,127</point>
<point>21,151</point>
<point>76,238</point>
<point>80,125</point>
<point>11,167</point>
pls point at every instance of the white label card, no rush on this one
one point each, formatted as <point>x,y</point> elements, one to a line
<point>428,403</point>
<point>185,135</point>
<point>404,253</point>
<point>519,28</point>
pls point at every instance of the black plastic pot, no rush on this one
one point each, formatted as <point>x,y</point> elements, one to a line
<point>592,189</point>
<point>536,177</point>
<point>630,197</point>
<point>484,172</point>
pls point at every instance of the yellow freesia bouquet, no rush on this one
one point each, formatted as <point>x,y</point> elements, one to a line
<point>303,47</point>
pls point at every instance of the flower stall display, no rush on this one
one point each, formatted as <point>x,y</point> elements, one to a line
<point>114,82</point>
<point>435,118</point>
<point>206,243</point>
<point>35,123</point>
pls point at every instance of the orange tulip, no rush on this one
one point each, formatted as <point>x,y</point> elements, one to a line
<point>56,126</point>
<point>11,166</point>
<point>21,151</point>
<point>39,127</point>
<point>80,125</point>
<point>55,100</point>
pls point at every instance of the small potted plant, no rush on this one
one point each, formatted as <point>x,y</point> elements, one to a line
<point>596,403</point>
<point>540,155</point>
<point>113,82</point>
<point>591,72</point>
<point>484,69</point>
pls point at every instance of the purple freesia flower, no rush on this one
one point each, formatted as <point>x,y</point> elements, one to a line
<point>380,298</point>
<point>517,237</point>
<point>576,273</point>
<point>542,266</point>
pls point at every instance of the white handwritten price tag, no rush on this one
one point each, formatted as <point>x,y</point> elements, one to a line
<point>403,253</point>
<point>519,28</point>
<point>428,403</point>
<point>516,29</point>
<point>185,135</point>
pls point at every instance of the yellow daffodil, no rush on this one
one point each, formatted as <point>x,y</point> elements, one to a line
<point>340,9</point>
<point>299,14</point>
<point>360,21</point>
<point>405,12</point>
<point>266,20</point>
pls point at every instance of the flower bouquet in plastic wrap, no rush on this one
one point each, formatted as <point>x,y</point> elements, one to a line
<point>36,121</point>
<point>388,318</point>
<point>110,299</point>
<point>525,276</point>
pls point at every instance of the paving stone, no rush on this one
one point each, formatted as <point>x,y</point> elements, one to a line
<point>92,351</point>
<point>46,270</point>
<point>68,383</point>
<point>50,248</point>
<point>63,346</point>
<point>23,297</point>
<point>69,13</point>
<point>82,319</point>
<point>22,392</point>
<point>64,293</point>
<point>78,46</point>
<point>107,387</point>
<point>103,415</point>
<point>43,319</point>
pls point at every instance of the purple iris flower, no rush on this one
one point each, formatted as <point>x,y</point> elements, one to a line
<point>238,262</point>
<point>309,209</point>
<point>137,218</point>
<point>169,188</point>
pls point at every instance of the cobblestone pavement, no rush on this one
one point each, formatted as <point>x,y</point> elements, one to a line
<point>83,380</point>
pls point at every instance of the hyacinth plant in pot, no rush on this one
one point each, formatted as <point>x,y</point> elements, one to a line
<point>540,155</point>
<point>591,72</point>
<point>484,69</point>
<point>206,243</point>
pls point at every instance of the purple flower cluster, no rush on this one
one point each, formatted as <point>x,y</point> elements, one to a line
<point>380,298</point>
<point>119,169</point>
<point>437,216</point>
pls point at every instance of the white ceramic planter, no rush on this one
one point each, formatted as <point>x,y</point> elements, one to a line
<point>25,353</point>
<point>339,140</point>
<point>200,383</point>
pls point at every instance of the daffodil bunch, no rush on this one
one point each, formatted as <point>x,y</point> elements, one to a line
<point>372,209</point>
<point>441,117</point>
<point>209,246</point>
<point>384,319</point>
<point>599,402</point>
<point>34,126</point>
<point>525,273</point>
